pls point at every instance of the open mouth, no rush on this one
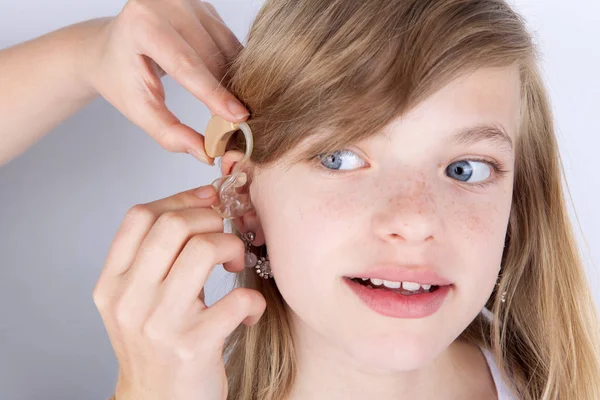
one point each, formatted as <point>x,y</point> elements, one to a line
<point>400,299</point>
<point>404,288</point>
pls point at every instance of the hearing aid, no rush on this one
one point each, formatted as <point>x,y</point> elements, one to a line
<point>233,200</point>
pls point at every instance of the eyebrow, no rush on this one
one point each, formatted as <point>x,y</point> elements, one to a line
<point>484,132</point>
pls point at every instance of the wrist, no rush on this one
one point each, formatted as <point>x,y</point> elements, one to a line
<point>89,44</point>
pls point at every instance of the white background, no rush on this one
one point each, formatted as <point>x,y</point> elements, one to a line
<point>62,201</point>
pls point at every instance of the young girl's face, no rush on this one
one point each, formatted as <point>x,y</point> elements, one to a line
<point>413,197</point>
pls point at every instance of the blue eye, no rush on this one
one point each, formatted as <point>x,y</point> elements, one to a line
<point>469,171</point>
<point>474,171</point>
<point>333,161</point>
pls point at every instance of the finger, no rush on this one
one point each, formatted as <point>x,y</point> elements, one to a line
<point>188,276</point>
<point>138,222</point>
<point>169,50</point>
<point>152,115</point>
<point>239,305</point>
<point>195,34</point>
<point>210,7</point>
<point>165,240</point>
<point>224,38</point>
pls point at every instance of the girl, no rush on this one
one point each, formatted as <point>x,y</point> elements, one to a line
<point>407,182</point>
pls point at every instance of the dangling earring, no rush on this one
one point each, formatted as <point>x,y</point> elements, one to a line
<point>503,296</point>
<point>262,263</point>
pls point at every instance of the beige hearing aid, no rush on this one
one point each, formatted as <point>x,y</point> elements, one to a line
<point>233,199</point>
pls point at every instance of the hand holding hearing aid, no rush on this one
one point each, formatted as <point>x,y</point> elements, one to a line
<point>186,39</point>
<point>150,295</point>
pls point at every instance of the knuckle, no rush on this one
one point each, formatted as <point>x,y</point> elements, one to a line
<point>165,140</point>
<point>184,63</point>
<point>139,212</point>
<point>124,317</point>
<point>100,299</point>
<point>214,219</point>
<point>134,18</point>
<point>174,221</point>
<point>137,9</point>
<point>168,145</point>
<point>242,295</point>
<point>212,10</point>
<point>204,246</point>
<point>184,351</point>
<point>154,331</point>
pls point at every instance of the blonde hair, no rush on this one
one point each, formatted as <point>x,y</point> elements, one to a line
<point>353,67</point>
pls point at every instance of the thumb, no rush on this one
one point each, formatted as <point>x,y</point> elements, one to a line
<point>170,133</point>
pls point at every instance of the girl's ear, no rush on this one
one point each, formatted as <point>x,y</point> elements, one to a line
<point>228,161</point>
<point>249,221</point>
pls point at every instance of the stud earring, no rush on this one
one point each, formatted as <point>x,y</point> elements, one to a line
<point>261,264</point>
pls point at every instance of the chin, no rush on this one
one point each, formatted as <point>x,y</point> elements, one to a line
<point>395,353</point>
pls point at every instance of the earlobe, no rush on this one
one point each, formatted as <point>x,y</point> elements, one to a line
<point>250,222</point>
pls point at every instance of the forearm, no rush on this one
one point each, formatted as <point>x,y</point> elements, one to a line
<point>42,83</point>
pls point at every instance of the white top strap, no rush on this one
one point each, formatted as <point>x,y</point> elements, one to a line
<point>504,392</point>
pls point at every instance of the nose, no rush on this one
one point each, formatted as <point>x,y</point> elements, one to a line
<point>408,213</point>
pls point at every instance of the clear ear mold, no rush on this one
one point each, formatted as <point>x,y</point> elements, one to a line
<point>231,203</point>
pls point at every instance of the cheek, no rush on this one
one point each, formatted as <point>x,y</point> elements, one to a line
<point>480,236</point>
<point>479,222</point>
<point>308,235</point>
<point>477,246</point>
<point>297,212</point>
<point>309,229</point>
<point>482,222</point>
<point>294,221</point>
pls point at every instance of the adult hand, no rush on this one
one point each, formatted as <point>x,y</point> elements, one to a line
<point>188,40</point>
<point>150,295</point>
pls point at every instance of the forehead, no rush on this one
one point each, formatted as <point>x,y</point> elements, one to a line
<point>483,97</point>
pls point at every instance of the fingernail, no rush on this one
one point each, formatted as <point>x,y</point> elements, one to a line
<point>237,110</point>
<point>198,156</point>
<point>204,192</point>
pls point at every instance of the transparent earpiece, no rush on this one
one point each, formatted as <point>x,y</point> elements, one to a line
<point>233,190</point>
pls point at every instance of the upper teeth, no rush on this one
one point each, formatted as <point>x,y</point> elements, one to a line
<point>395,285</point>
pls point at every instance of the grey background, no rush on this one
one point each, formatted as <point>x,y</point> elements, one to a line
<point>62,201</point>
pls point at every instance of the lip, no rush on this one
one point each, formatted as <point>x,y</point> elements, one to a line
<point>397,305</point>
<point>421,274</point>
